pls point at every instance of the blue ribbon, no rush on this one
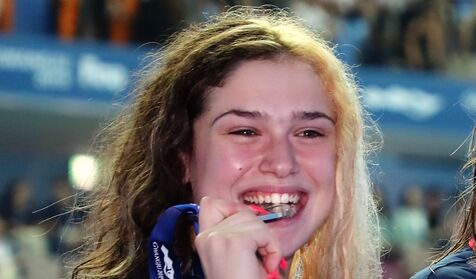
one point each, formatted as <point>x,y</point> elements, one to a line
<point>163,263</point>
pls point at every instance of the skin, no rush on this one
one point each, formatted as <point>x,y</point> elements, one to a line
<point>269,129</point>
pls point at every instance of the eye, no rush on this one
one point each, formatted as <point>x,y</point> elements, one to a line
<point>244,132</point>
<point>309,133</point>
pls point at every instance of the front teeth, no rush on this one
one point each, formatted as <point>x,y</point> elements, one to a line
<point>274,198</point>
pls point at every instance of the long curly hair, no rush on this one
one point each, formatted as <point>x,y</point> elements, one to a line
<point>143,169</point>
<point>465,225</point>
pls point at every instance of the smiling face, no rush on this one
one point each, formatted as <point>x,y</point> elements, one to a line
<point>268,136</point>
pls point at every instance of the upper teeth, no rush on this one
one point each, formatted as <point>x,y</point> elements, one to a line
<point>274,198</point>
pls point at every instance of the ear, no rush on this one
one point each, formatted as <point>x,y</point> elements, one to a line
<point>186,163</point>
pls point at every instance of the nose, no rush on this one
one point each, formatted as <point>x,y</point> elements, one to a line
<point>279,158</point>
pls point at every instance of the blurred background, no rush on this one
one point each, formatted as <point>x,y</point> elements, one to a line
<point>66,67</point>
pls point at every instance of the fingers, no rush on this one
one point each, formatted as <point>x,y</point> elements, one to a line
<point>230,236</point>
<point>213,211</point>
<point>270,256</point>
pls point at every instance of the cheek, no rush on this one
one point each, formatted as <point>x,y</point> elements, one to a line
<point>240,159</point>
<point>216,169</point>
<point>228,160</point>
<point>324,181</point>
<point>321,166</point>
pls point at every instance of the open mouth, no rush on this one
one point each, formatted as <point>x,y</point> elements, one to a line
<point>286,205</point>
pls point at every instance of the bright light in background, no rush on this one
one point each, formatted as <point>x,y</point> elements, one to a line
<point>83,171</point>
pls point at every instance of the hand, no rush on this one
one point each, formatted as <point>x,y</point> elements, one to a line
<point>230,238</point>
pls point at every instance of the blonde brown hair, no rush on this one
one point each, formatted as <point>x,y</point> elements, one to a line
<point>144,173</point>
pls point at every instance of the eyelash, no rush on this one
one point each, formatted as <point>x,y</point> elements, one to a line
<point>305,133</point>
<point>309,134</point>
<point>244,132</point>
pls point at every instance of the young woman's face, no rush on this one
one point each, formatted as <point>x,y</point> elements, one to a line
<point>268,135</point>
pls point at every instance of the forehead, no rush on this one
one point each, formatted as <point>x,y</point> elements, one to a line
<point>288,84</point>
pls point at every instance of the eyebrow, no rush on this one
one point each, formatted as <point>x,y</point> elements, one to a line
<point>302,115</point>
<point>311,115</point>
<point>238,112</point>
